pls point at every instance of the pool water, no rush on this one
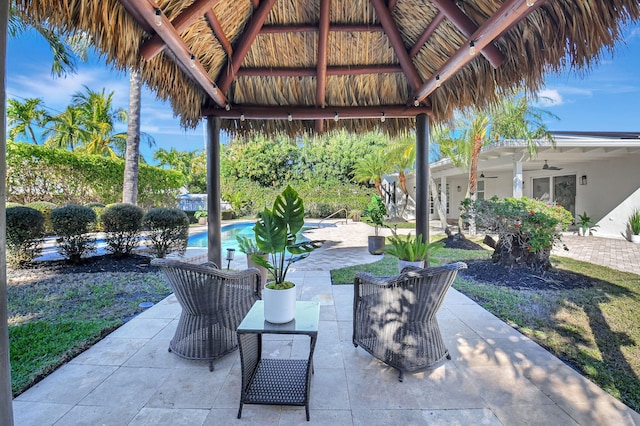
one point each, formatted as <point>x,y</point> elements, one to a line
<point>229,234</point>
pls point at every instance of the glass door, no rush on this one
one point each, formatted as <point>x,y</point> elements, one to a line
<point>560,189</point>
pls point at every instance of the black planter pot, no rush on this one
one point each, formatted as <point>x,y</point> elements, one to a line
<point>376,244</point>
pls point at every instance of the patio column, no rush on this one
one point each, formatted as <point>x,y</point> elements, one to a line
<point>6,405</point>
<point>214,242</point>
<point>422,176</point>
<point>443,196</point>
<point>517,179</point>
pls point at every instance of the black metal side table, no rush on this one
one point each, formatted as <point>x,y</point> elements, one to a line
<point>276,381</point>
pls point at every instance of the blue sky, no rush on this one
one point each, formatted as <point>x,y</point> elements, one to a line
<point>605,99</point>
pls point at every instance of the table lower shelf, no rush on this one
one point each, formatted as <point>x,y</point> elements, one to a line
<point>279,382</point>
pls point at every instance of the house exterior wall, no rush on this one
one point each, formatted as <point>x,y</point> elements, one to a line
<point>611,193</point>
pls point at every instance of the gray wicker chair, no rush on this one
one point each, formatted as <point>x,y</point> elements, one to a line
<point>394,318</point>
<point>213,302</point>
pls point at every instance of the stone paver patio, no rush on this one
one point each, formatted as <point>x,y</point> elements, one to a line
<point>496,375</point>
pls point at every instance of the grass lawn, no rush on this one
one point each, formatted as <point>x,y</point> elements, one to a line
<point>53,318</point>
<point>594,329</point>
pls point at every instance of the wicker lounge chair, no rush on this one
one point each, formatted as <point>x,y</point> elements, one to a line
<point>213,302</point>
<point>394,318</point>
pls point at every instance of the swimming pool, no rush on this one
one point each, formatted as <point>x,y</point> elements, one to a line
<point>230,232</point>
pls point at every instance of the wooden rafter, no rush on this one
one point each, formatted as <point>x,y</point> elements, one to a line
<point>510,13</point>
<point>392,5</point>
<point>395,39</point>
<point>179,50</point>
<point>321,67</point>
<point>467,27</point>
<point>155,44</point>
<point>212,19</point>
<point>252,112</point>
<point>334,28</point>
<point>244,44</point>
<point>426,35</point>
<point>312,72</point>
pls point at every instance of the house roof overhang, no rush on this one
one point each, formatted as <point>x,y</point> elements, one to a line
<point>311,66</point>
<point>569,148</point>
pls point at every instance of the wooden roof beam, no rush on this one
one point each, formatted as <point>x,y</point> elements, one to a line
<point>150,48</point>
<point>212,19</point>
<point>323,43</point>
<point>467,27</point>
<point>179,50</point>
<point>244,44</point>
<point>426,35</point>
<point>389,25</point>
<point>253,112</point>
<point>510,13</point>
<point>392,5</point>
<point>334,28</point>
<point>312,72</point>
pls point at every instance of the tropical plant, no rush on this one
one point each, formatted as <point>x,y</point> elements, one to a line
<point>413,249</point>
<point>527,229</point>
<point>132,150</point>
<point>62,47</point>
<point>376,211</point>
<point>371,169</point>
<point>67,130</point>
<point>23,116</point>
<point>634,222</point>
<point>586,224</point>
<point>276,235</point>
<point>248,245</point>
<point>99,118</point>
<point>200,213</point>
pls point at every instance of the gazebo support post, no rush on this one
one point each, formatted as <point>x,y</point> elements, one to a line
<point>6,404</point>
<point>214,239</point>
<point>422,176</point>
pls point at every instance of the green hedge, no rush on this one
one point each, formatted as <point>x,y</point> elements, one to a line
<point>37,173</point>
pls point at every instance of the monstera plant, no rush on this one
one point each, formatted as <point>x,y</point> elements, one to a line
<point>276,235</point>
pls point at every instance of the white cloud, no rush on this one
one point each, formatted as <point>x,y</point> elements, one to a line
<point>549,98</point>
<point>56,92</point>
<point>633,34</point>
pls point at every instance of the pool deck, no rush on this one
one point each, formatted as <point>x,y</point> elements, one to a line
<point>497,376</point>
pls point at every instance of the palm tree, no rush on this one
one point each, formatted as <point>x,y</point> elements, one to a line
<point>63,49</point>
<point>99,118</point>
<point>132,152</point>
<point>67,131</point>
<point>22,116</point>
<point>371,168</point>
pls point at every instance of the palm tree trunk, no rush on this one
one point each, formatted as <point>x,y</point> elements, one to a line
<point>473,178</point>
<point>132,156</point>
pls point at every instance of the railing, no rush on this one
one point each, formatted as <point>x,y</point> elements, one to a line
<point>333,214</point>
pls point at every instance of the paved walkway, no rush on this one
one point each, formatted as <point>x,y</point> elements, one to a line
<point>497,376</point>
<point>614,253</point>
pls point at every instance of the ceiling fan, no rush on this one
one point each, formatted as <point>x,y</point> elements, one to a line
<point>548,167</point>
<point>482,176</point>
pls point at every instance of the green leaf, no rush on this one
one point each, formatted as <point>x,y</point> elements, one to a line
<point>288,210</point>
<point>271,235</point>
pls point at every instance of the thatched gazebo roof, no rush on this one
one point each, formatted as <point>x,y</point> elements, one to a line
<point>314,65</point>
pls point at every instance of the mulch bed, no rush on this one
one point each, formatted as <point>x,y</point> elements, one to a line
<point>93,264</point>
<point>518,278</point>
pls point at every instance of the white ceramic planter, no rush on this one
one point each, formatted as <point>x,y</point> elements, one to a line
<point>635,238</point>
<point>279,305</point>
<point>403,263</point>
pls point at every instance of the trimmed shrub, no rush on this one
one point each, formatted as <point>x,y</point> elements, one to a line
<point>168,230</point>
<point>122,224</point>
<point>45,208</point>
<point>71,224</point>
<point>9,204</point>
<point>25,228</point>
